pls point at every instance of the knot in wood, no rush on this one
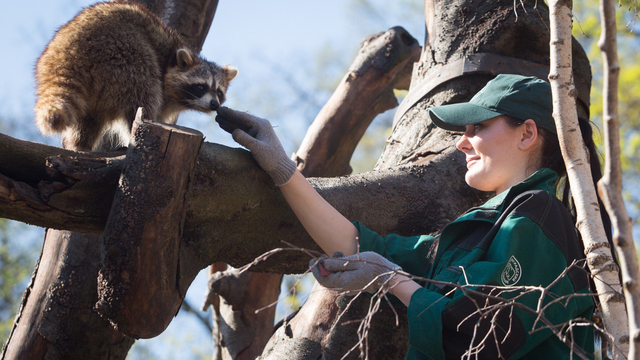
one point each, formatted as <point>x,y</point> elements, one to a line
<point>595,246</point>
<point>624,339</point>
<point>606,268</point>
<point>630,285</point>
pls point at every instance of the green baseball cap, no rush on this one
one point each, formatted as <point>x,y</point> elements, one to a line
<point>514,95</point>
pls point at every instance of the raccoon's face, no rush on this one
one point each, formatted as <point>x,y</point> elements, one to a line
<point>197,84</point>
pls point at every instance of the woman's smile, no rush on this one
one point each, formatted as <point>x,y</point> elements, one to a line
<point>471,160</point>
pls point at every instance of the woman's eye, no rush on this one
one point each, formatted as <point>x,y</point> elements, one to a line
<point>477,127</point>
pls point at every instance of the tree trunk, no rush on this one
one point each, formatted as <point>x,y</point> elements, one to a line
<point>191,18</point>
<point>56,318</point>
<point>383,64</point>
<point>589,221</point>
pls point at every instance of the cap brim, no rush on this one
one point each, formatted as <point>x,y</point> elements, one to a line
<point>455,116</point>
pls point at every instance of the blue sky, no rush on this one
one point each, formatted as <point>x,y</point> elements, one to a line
<point>274,44</point>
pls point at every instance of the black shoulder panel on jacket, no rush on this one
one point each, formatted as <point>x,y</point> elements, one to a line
<point>555,221</point>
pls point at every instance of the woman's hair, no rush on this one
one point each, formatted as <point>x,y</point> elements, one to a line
<point>551,157</point>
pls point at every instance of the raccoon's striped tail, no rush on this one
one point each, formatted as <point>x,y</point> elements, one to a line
<point>53,116</point>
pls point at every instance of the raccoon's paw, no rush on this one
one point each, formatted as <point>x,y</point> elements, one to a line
<point>72,140</point>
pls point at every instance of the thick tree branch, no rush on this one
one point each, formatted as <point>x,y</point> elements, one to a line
<point>51,187</point>
<point>383,63</point>
<point>138,284</point>
<point>229,192</point>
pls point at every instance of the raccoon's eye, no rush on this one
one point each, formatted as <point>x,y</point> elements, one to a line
<point>220,94</point>
<point>195,91</point>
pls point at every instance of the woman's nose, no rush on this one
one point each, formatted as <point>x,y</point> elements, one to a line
<point>463,143</point>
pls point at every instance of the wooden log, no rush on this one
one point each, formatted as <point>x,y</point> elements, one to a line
<point>139,284</point>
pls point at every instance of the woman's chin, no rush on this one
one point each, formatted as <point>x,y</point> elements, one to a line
<point>475,182</point>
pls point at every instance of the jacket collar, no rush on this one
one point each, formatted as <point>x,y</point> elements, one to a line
<point>543,179</point>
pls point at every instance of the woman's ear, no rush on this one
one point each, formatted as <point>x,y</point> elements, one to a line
<point>529,135</point>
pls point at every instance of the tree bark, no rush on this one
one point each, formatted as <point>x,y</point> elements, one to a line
<point>56,317</point>
<point>610,186</point>
<point>589,221</point>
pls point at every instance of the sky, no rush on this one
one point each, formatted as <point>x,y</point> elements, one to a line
<point>278,47</point>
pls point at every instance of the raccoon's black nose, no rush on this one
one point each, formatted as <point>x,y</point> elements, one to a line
<point>214,105</point>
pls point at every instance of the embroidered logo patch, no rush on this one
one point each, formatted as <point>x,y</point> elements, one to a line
<point>512,272</point>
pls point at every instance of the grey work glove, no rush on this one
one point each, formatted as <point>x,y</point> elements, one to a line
<point>257,135</point>
<point>368,273</point>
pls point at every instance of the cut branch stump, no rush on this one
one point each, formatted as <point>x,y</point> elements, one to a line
<point>139,284</point>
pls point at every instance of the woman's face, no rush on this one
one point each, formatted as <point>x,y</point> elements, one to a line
<point>496,159</point>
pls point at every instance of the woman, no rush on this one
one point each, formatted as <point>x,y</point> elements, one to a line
<point>522,236</point>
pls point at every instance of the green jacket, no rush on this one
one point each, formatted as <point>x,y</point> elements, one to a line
<point>535,243</point>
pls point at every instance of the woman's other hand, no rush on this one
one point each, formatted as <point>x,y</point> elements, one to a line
<point>366,271</point>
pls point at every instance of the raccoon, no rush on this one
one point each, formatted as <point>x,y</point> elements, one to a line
<point>112,58</point>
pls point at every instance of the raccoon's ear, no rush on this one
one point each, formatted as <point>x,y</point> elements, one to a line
<point>184,58</point>
<point>230,72</point>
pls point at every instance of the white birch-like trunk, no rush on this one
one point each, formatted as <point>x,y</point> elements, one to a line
<point>589,222</point>
<point>610,186</point>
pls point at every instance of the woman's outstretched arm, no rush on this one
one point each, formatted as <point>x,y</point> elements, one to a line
<point>332,231</point>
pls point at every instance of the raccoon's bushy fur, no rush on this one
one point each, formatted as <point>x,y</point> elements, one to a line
<point>112,58</point>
